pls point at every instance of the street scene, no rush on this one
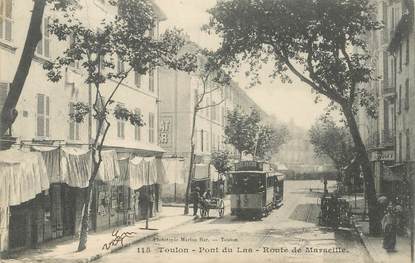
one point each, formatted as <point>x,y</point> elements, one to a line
<point>271,239</point>
<point>207,131</point>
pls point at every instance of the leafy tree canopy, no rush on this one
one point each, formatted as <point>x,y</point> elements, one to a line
<point>319,41</point>
<point>221,160</point>
<point>330,139</point>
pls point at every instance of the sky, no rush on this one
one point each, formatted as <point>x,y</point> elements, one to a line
<point>288,102</point>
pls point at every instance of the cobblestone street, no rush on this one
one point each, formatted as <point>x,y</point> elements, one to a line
<point>289,234</point>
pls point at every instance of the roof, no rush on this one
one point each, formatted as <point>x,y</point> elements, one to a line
<point>244,172</point>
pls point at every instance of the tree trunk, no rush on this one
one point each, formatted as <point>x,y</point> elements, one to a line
<point>83,237</point>
<point>192,151</point>
<point>34,35</point>
<point>374,220</point>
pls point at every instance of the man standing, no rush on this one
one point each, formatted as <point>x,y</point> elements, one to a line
<point>195,199</point>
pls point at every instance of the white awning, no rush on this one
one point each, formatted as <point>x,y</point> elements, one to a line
<point>22,176</point>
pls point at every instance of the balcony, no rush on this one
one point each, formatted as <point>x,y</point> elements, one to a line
<point>373,140</point>
<point>385,140</point>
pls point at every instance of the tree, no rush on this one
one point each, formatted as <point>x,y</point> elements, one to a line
<point>241,130</point>
<point>208,72</point>
<point>127,37</point>
<point>332,140</point>
<point>221,160</point>
<point>269,140</point>
<point>34,35</point>
<point>319,42</point>
<point>249,135</point>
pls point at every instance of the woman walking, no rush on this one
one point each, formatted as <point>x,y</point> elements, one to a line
<point>389,229</point>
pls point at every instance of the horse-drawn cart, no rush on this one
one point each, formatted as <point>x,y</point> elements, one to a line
<point>208,204</point>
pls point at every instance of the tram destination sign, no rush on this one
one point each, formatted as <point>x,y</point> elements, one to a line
<point>251,166</point>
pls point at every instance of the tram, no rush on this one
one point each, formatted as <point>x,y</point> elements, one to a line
<point>255,190</point>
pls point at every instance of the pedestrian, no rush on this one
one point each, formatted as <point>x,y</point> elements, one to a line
<point>195,199</point>
<point>207,195</point>
<point>389,229</point>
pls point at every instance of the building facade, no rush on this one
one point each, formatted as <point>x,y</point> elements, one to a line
<point>43,125</point>
<point>178,94</point>
<point>389,136</point>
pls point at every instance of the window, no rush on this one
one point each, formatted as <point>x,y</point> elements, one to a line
<point>42,116</point>
<point>213,111</point>
<point>6,21</point>
<point>407,94</point>
<point>121,129</point>
<point>43,47</point>
<point>151,127</point>
<point>137,79</point>
<point>385,69</point>
<point>400,57</point>
<point>400,146</point>
<point>73,125</point>
<point>408,145</point>
<point>151,80</point>
<point>400,99</point>
<point>407,52</point>
<point>385,22</point>
<point>137,129</point>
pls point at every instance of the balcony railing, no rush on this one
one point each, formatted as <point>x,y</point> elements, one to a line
<point>386,139</point>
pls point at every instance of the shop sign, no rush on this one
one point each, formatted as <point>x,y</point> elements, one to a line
<point>388,155</point>
<point>166,132</point>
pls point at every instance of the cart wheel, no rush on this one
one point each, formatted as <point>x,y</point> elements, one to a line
<point>221,208</point>
<point>203,212</point>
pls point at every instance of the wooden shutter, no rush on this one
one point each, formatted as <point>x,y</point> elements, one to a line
<point>40,119</point>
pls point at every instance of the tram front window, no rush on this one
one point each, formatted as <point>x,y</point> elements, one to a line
<point>248,183</point>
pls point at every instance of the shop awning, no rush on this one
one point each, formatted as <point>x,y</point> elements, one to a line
<point>76,166</point>
<point>161,166</point>
<point>201,172</point>
<point>109,168</point>
<point>22,176</point>
<point>142,171</point>
<point>394,172</point>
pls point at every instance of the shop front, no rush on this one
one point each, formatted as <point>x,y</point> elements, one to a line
<point>25,215</point>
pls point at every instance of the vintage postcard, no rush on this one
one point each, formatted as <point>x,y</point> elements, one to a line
<point>207,131</point>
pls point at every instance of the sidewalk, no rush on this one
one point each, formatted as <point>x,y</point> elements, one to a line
<point>377,253</point>
<point>65,251</point>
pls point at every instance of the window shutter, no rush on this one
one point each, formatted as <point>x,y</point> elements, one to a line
<point>47,116</point>
<point>71,123</point>
<point>40,115</point>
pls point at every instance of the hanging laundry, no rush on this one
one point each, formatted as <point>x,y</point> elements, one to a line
<point>76,166</point>
<point>109,169</point>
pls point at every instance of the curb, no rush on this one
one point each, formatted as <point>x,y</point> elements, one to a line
<point>361,235</point>
<point>140,239</point>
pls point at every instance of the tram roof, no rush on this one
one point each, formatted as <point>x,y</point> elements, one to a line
<point>251,171</point>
